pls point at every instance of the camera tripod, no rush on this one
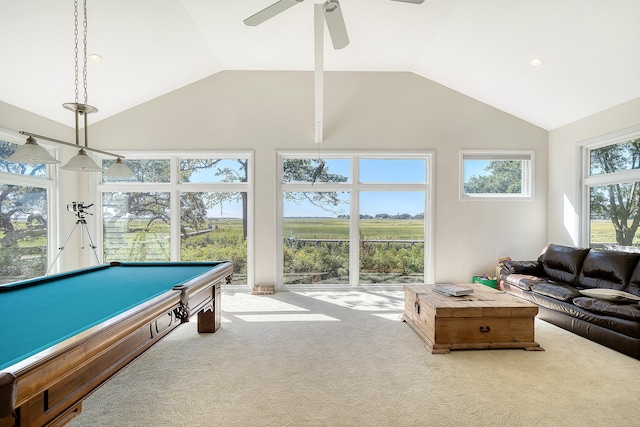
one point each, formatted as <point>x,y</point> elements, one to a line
<point>79,209</point>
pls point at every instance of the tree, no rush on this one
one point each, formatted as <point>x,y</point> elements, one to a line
<point>503,177</point>
<point>620,202</point>
<point>23,215</point>
<point>309,170</point>
<point>17,202</point>
<point>194,205</point>
<point>154,206</point>
<point>232,175</point>
<point>149,206</point>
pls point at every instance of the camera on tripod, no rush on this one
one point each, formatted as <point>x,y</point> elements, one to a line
<point>80,210</point>
<point>78,207</point>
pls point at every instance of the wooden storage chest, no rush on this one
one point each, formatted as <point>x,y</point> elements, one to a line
<point>488,318</point>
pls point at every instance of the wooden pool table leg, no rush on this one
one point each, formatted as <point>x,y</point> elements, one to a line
<point>7,394</point>
<point>207,320</point>
<point>210,317</point>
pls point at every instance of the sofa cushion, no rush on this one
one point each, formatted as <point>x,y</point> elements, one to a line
<point>556,290</point>
<point>634,282</point>
<point>563,263</point>
<point>611,295</point>
<point>630,328</point>
<point>522,281</point>
<point>609,308</point>
<point>607,269</point>
<point>523,267</point>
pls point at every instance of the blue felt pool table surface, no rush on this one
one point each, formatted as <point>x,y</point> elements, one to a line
<point>39,313</point>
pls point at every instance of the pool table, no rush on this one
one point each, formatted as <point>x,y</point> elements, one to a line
<point>64,335</point>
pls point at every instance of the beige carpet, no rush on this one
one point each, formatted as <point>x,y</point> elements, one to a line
<point>343,358</point>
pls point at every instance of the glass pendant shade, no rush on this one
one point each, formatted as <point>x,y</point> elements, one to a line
<point>32,153</point>
<point>82,163</point>
<point>118,168</point>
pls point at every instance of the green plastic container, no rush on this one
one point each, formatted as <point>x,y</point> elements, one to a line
<point>487,282</point>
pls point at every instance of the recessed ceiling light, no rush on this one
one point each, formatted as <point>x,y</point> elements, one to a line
<point>536,62</point>
<point>94,57</point>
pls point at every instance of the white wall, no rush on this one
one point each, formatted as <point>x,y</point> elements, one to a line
<point>267,111</point>
<point>564,167</point>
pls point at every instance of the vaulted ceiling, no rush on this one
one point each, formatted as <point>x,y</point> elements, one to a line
<point>481,48</point>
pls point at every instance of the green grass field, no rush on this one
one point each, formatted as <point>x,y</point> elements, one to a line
<point>328,228</point>
<point>602,231</point>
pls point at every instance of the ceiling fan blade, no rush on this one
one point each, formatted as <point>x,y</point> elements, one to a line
<point>270,11</point>
<point>411,1</point>
<point>335,24</point>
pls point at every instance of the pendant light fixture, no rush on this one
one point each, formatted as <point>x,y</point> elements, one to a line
<point>81,162</point>
<point>32,153</point>
<point>118,168</point>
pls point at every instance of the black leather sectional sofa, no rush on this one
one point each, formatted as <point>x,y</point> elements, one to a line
<point>593,293</point>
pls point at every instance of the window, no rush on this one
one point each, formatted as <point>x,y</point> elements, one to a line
<point>496,174</point>
<point>358,219</point>
<point>611,181</point>
<point>25,216</point>
<point>179,207</point>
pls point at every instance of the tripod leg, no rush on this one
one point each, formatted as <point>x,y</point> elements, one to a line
<point>91,245</point>
<point>61,248</point>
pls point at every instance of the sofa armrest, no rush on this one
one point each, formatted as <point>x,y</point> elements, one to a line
<point>533,268</point>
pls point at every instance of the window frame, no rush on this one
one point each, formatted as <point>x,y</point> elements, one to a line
<point>174,187</point>
<point>354,187</point>
<point>528,173</point>
<point>587,180</point>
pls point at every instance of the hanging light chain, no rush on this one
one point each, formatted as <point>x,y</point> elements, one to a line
<point>76,51</point>
<point>84,69</point>
<point>75,40</point>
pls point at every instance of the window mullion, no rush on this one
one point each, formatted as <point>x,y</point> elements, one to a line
<point>612,178</point>
<point>174,208</point>
<point>354,224</point>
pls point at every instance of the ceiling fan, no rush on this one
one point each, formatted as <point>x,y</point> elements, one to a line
<point>332,15</point>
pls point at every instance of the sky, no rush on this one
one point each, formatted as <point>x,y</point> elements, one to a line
<point>474,167</point>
